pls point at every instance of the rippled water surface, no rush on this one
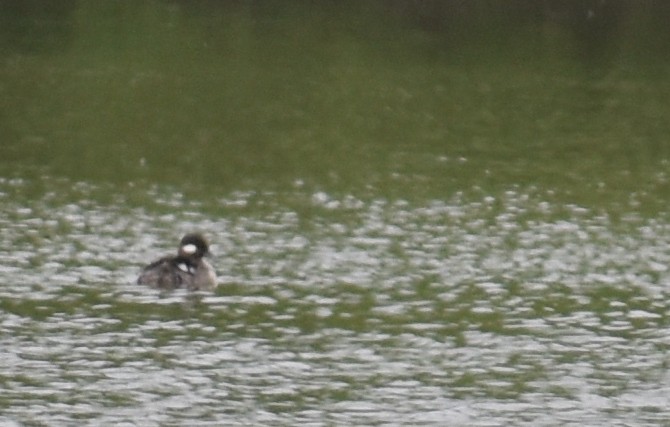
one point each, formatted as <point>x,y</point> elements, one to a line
<point>477,310</point>
<point>440,213</point>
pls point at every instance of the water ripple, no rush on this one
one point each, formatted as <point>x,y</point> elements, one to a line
<point>504,310</point>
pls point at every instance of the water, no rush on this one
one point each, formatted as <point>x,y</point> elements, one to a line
<point>412,224</point>
<point>471,312</point>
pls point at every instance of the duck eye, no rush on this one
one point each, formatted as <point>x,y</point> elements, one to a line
<point>189,249</point>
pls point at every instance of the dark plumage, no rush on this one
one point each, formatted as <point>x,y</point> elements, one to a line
<point>187,269</point>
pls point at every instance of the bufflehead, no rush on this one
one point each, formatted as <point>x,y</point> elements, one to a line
<point>188,269</point>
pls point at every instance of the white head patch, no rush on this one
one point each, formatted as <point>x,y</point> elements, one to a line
<point>189,249</point>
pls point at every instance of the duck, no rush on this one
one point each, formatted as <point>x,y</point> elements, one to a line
<point>188,269</point>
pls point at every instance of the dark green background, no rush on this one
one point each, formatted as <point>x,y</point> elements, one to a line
<point>395,97</point>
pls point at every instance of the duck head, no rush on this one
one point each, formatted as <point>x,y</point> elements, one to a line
<point>193,245</point>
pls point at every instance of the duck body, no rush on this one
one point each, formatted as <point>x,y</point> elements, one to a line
<point>187,269</point>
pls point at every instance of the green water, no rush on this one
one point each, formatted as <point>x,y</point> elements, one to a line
<point>337,97</point>
<point>421,213</point>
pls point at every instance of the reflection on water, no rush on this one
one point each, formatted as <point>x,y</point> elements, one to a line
<point>347,95</point>
<point>478,310</point>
